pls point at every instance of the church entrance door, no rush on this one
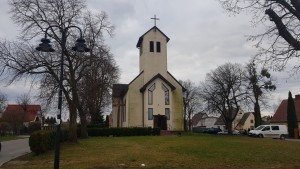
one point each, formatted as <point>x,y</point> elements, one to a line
<point>160,121</point>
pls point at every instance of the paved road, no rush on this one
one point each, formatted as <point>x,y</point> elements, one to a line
<point>12,149</point>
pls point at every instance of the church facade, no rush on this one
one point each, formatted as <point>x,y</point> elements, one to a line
<point>154,98</point>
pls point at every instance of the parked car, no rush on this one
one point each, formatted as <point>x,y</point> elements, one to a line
<point>213,130</point>
<point>200,129</point>
<point>225,132</point>
<point>271,131</point>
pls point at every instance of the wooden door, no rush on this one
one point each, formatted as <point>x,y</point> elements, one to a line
<point>160,121</point>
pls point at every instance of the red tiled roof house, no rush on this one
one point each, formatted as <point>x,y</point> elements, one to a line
<point>22,113</point>
<point>280,116</point>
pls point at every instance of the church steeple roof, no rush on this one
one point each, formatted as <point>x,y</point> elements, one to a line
<point>140,41</point>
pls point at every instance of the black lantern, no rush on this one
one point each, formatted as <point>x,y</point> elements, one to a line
<point>45,46</point>
<point>80,46</point>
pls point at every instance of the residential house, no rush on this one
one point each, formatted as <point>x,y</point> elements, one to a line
<point>21,115</point>
<point>154,97</point>
<point>204,120</point>
<point>240,122</point>
<point>280,116</point>
<point>246,123</point>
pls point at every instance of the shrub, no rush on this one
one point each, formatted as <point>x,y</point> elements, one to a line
<point>119,132</point>
<point>42,141</point>
<point>34,126</point>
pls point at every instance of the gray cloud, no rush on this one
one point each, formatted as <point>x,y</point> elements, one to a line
<point>202,36</point>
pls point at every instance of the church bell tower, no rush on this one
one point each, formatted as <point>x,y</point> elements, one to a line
<point>153,53</point>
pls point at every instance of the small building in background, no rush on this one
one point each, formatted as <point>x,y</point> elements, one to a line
<point>280,116</point>
<point>20,116</point>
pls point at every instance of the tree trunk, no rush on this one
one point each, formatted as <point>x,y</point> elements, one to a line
<point>83,126</point>
<point>229,127</point>
<point>185,124</point>
<point>257,114</point>
<point>73,123</point>
<point>190,122</point>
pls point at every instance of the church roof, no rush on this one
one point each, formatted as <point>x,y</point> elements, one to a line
<point>142,37</point>
<point>183,88</point>
<point>119,90</point>
<point>155,77</point>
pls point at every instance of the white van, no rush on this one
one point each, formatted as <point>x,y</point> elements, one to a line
<point>271,131</point>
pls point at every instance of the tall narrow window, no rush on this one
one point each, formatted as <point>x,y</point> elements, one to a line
<point>151,46</point>
<point>150,94</point>
<point>123,114</point>
<point>167,113</point>
<point>150,113</point>
<point>157,46</point>
<point>167,95</point>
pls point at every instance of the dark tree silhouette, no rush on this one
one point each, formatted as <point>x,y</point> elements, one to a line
<point>291,116</point>
<point>224,90</point>
<point>21,60</point>
<point>280,43</point>
<point>258,84</point>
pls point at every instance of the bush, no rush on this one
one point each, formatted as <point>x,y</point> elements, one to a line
<point>119,132</point>
<point>34,126</point>
<point>42,141</point>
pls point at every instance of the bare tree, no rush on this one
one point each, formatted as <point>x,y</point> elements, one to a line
<point>95,88</point>
<point>3,102</point>
<point>258,84</point>
<point>191,102</point>
<point>280,43</point>
<point>21,60</point>
<point>224,91</point>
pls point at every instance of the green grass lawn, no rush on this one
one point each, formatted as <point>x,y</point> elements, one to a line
<point>8,137</point>
<point>187,151</point>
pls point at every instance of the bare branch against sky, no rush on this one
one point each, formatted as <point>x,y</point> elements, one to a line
<point>203,37</point>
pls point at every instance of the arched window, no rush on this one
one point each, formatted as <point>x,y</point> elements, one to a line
<point>167,94</point>
<point>150,94</point>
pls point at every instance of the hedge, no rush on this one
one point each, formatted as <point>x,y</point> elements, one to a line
<point>43,141</point>
<point>118,132</point>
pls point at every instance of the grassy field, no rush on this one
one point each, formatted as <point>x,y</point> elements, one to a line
<point>188,151</point>
<point>8,137</point>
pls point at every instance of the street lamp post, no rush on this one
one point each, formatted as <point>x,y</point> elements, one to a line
<point>45,46</point>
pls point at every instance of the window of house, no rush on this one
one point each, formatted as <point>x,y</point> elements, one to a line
<point>251,121</point>
<point>166,93</point>
<point>157,46</point>
<point>151,46</point>
<point>123,114</point>
<point>167,113</point>
<point>150,113</point>
<point>150,94</point>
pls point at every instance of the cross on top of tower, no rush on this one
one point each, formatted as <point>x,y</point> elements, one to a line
<point>155,19</point>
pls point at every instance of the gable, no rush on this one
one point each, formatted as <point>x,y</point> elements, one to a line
<point>196,118</point>
<point>155,77</point>
<point>244,118</point>
<point>140,41</point>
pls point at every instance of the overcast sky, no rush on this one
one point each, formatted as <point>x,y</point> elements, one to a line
<point>202,37</point>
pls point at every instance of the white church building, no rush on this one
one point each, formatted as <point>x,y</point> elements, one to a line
<point>154,98</point>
